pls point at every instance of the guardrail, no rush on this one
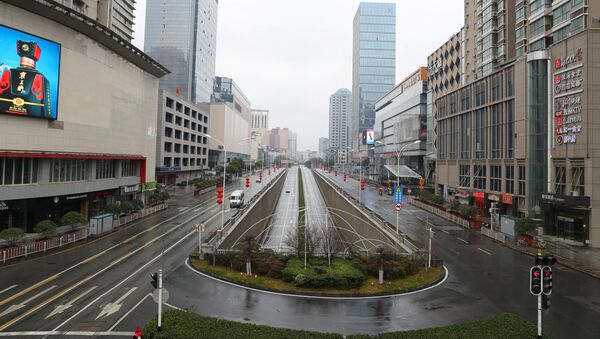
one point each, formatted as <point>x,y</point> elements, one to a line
<point>138,215</point>
<point>498,236</point>
<point>43,245</point>
<point>439,212</point>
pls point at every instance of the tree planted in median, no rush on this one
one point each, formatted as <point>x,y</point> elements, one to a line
<point>12,235</point>
<point>45,227</point>
<point>73,219</point>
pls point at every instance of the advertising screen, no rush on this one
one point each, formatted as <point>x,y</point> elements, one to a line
<point>29,71</point>
<point>368,137</point>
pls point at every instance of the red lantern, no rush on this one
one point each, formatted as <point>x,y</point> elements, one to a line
<point>219,201</point>
<point>220,195</point>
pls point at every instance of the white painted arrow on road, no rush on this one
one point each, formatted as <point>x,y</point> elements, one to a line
<point>63,307</point>
<point>111,308</point>
<point>13,308</point>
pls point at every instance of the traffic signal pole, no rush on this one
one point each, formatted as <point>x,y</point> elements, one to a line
<point>539,324</point>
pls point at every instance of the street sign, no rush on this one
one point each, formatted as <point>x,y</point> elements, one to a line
<point>398,196</point>
<point>200,227</point>
<point>398,207</point>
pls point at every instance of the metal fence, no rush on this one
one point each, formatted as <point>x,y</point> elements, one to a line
<point>43,245</point>
<point>438,211</point>
<point>38,246</point>
<point>498,236</point>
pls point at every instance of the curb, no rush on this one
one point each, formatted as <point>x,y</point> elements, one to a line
<point>440,280</point>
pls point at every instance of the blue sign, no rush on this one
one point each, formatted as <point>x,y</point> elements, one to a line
<point>398,196</point>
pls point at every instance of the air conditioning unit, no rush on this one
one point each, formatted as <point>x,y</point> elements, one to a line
<point>575,193</point>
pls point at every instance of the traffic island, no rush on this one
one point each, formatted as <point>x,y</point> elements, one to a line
<point>183,324</point>
<point>345,278</point>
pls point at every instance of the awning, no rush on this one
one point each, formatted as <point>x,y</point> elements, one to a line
<point>405,172</point>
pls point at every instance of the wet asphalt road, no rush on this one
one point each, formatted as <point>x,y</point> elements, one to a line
<point>285,219</point>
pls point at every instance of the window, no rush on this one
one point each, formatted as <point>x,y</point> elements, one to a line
<point>452,139</point>
<point>496,178</point>
<point>193,137</point>
<point>167,162</point>
<point>185,161</point>
<point>178,121</point>
<point>169,102</point>
<point>177,162</point>
<point>177,134</point>
<point>168,132</point>
<point>177,148</point>
<point>169,117</point>
<point>186,149</point>
<point>186,110</point>
<point>193,126</point>
<point>465,98</point>
<point>186,123</point>
<point>562,14</point>
<point>168,147</point>
<point>560,180</point>
<point>66,170</point>
<point>510,128</point>
<point>18,171</point>
<point>186,136</point>
<point>105,168</point>
<point>479,177</point>
<point>464,178</point>
<point>465,136</point>
<point>192,161</point>
<point>480,93</point>
<point>522,185</point>
<point>481,133</point>
<point>578,179</point>
<point>496,131</point>
<point>129,168</point>
<point>442,139</point>
<point>510,179</point>
<point>497,86</point>
<point>178,107</point>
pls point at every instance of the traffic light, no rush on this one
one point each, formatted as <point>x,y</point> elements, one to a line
<point>547,280</point>
<point>535,280</point>
<point>219,195</point>
<point>247,182</point>
<point>154,281</point>
<point>362,185</point>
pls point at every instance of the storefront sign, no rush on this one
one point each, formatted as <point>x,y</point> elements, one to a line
<point>130,189</point>
<point>568,111</point>
<point>507,199</point>
<point>3,206</point>
<point>493,197</point>
<point>74,197</point>
<point>566,200</point>
<point>166,169</point>
<point>149,186</point>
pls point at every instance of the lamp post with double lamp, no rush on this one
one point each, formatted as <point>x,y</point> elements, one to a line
<point>398,155</point>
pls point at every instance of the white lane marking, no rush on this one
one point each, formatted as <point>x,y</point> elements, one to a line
<point>174,307</point>
<point>129,312</point>
<point>129,277</point>
<point>13,308</point>
<point>484,251</point>
<point>187,263</point>
<point>463,240</point>
<point>66,333</point>
<point>444,231</point>
<point>8,289</point>
<point>197,209</point>
<point>63,307</point>
<point>115,306</point>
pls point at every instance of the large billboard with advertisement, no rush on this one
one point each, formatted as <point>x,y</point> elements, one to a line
<point>29,72</point>
<point>368,137</point>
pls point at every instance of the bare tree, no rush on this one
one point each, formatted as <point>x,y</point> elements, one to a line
<point>249,248</point>
<point>332,242</point>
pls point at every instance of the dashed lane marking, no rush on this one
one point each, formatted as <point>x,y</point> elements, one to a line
<point>463,240</point>
<point>8,289</point>
<point>484,251</point>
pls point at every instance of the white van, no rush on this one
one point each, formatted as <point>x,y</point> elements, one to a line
<point>236,199</point>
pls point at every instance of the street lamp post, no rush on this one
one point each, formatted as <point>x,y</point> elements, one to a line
<point>224,175</point>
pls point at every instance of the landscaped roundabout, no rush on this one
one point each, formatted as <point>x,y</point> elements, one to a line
<point>356,275</point>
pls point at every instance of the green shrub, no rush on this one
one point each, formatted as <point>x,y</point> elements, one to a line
<point>138,204</point>
<point>45,227</point>
<point>525,225</point>
<point>341,275</point>
<point>263,264</point>
<point>453,205</point>
<point>72,219</point>
<point>127,207</point>
<point>394,266</point>
<point>163,196</point>
<point>12,235</point>
<point>113,208</point>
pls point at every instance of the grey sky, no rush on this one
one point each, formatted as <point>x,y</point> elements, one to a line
<point>290,56</point>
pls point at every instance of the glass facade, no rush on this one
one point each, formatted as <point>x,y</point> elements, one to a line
<point>374,62</point>
<point>182,36</point>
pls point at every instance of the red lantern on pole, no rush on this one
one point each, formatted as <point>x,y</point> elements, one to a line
<point>219,195</point>
<point>344,176</point>
<point>362,185</point>
<point>247,182</point>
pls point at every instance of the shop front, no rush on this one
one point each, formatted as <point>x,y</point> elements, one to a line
<point>566,217</point>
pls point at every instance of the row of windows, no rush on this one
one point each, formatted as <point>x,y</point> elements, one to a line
<point>179,107</point>
<point>178,134</point>
<point>493,137</point>
<point>177,148</point>
<point>18,171</point>
<point>577,179</point>
<point>67,170</point>
<point>168,161</point>
<point>479,178</point>
<point>179,121</point>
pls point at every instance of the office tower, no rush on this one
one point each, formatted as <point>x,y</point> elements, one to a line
<point>340,110</point>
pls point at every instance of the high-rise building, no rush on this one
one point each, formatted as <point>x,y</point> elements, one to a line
<point>323,147</point>
<point>292,145</point>
<point>114,14</point>
<point>259,133</point>
<point>340,111</point>
<point>373,63</point>
<point>278,141</point>
<point>182,35</point>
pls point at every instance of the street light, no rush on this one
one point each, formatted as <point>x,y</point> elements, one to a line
<point>224,174</point>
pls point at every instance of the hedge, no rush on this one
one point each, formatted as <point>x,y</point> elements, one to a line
<point>181,324</point>
<point>394,266</point>
<point>341,275</point>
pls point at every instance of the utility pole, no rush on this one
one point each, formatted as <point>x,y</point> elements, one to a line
<point>159,300</point>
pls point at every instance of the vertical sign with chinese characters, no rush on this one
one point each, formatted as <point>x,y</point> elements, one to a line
<point>568,112</point>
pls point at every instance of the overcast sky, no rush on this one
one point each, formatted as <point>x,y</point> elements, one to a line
<point>290,56</point>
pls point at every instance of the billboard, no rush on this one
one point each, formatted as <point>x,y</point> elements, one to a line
<point>29,72</point>
<point>368,137</point>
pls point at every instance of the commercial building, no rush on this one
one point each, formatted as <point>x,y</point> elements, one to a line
<point>278,141</point>
<point>90,136</point>
<point>182,145</point>
<point>520,138</point>
<point>340,111</point>
<point>373,67</point>
<point>182,35</point>
<point>292,145</point>
<point>230,123</point>
<point>117,15</point>
<point>401,129</point>
<point>323,147</point>
<point>260,133</point>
